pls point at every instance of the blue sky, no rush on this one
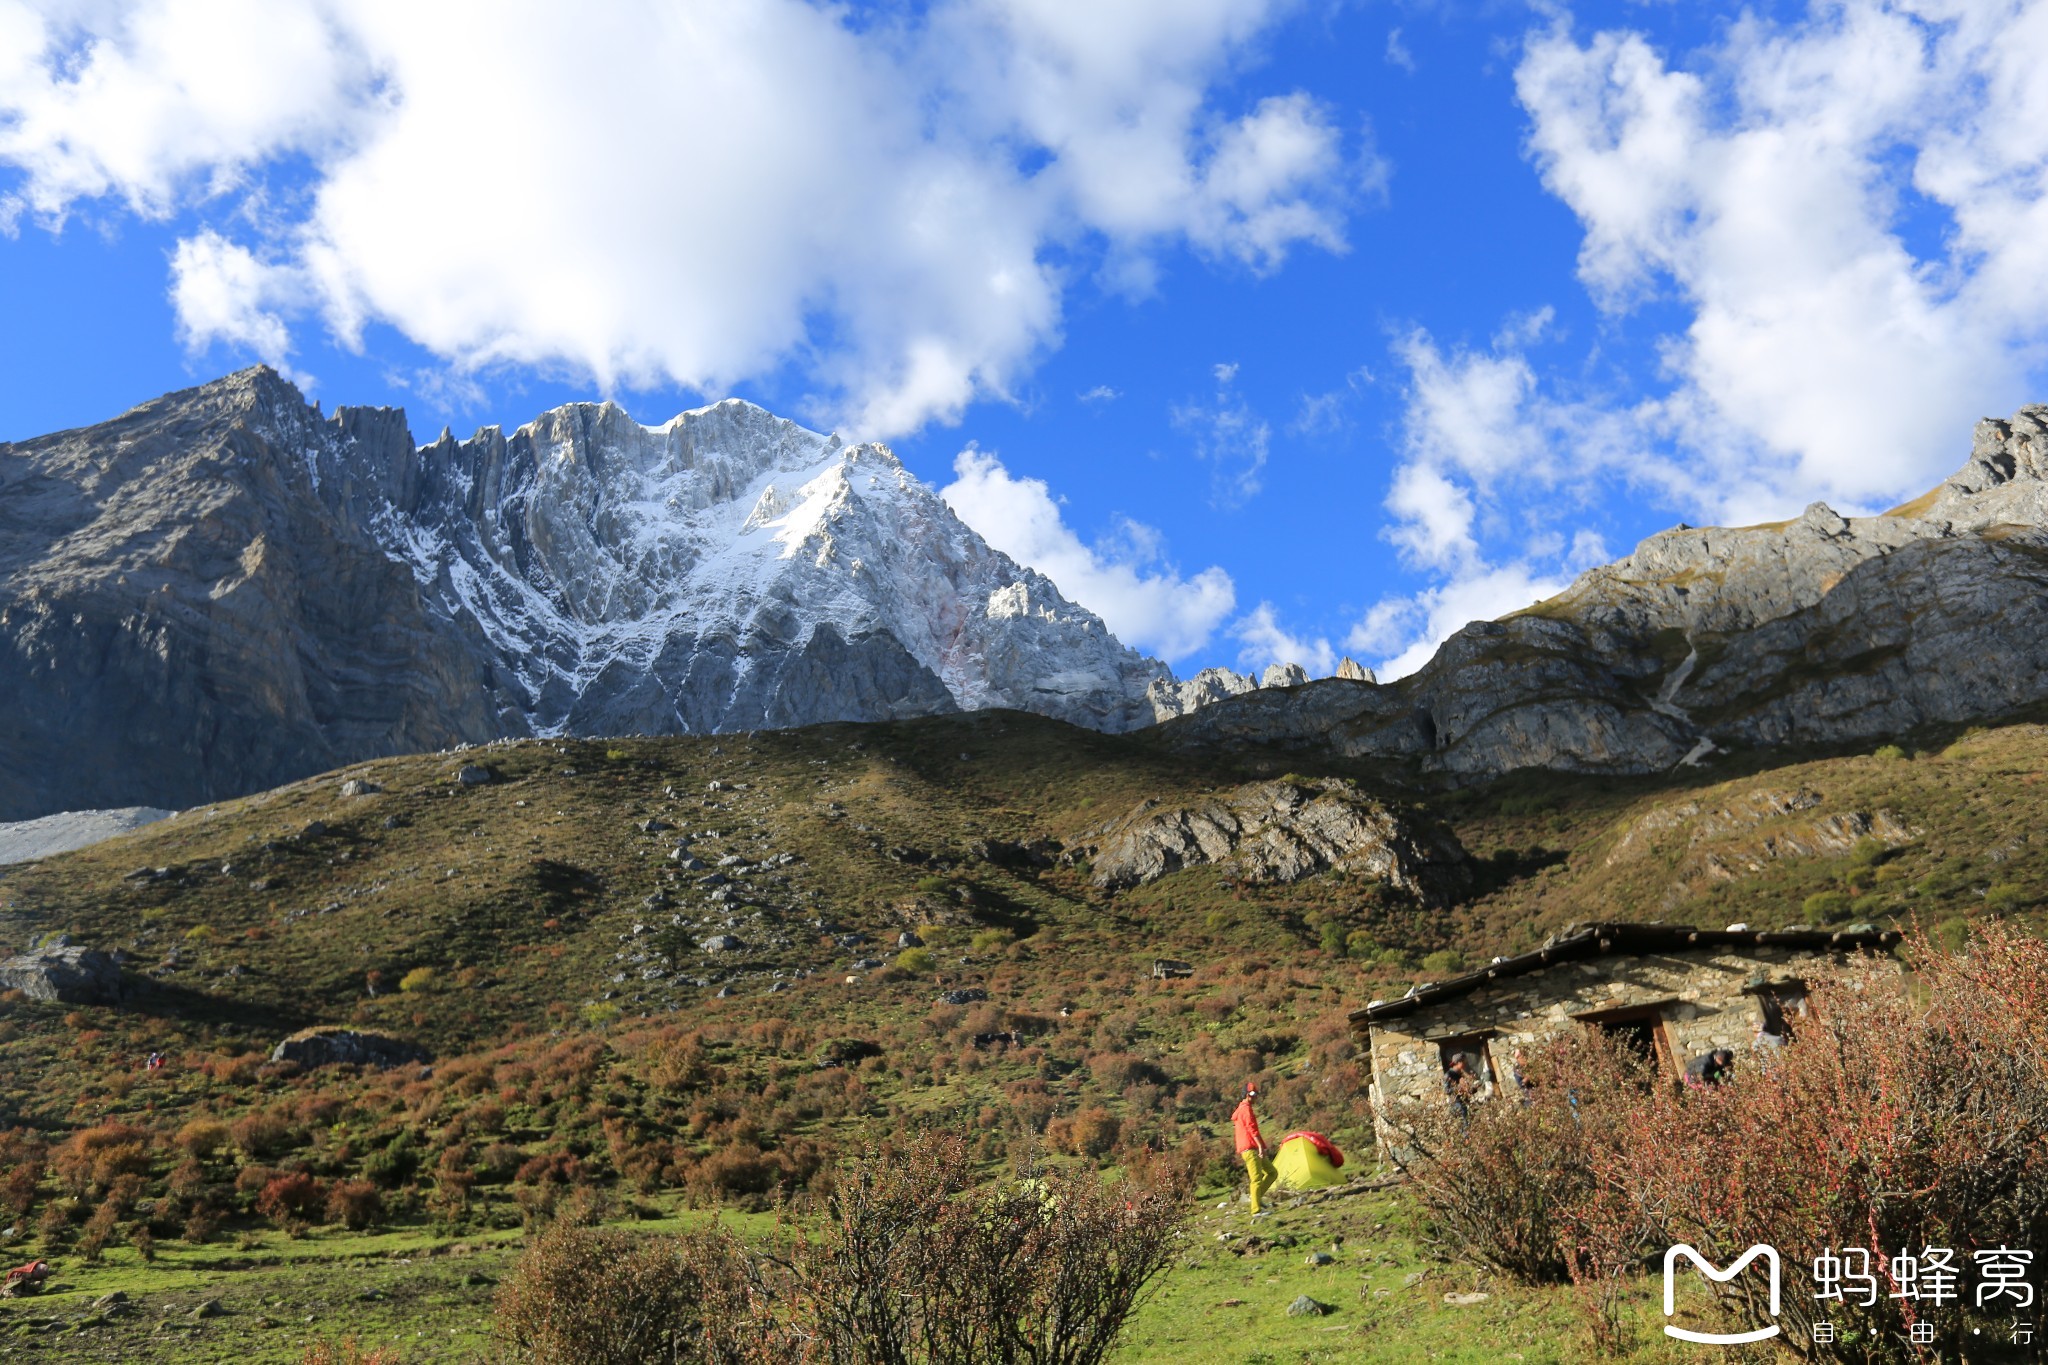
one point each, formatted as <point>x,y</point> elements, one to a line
<point>1269,330</point>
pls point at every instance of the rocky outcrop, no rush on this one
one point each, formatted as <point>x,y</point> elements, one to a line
<point>64,974</point>
<point>347,1047</point>
<point>1282,831</point>
<point>1821,630</point>
<point>223,589</point>
<point>1169,699</point>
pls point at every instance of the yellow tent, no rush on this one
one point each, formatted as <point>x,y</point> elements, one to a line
<point>1304,1162</point>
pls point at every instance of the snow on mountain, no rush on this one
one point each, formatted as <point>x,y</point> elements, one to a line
<point>725,570</point>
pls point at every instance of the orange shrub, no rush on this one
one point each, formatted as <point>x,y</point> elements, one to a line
<point>293,1196</point>
<point>355,1204</point>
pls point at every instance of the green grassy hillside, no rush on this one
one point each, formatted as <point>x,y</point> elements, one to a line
<point>592,1056</point>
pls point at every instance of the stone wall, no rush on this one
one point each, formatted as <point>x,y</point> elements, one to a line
<point>1700,1000</point>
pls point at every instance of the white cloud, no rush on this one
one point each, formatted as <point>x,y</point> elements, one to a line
<point>1398,53</point>
<point>1329,412</point>
<point>1101,393</point>
<point>1265,641</point>
<point>1826,355</point>
<point>1124,579</point>
<point>1830,352</point>
<point>1229,437</point>
<point>222,293</point>
<point>1402,632</point>
<point>697,194</point>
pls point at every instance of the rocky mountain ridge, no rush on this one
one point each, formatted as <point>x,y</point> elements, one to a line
<point>1821,630</point>
<point>223,589</point>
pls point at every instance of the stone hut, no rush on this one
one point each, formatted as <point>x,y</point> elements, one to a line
<point>1670,991</point>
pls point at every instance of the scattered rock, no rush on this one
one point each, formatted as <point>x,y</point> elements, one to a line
<point>337,1046</point>
<point>469,775</point>
<point>396,822</point>
<point>1412,1278</point>
<point>315,829</point>
<point>1466,1300</point>
<point>653,826</point>
<point>109,1300</point>
<point>907,939</point>
<point>1320,1258</point>
<point>211,1308</point>
<point>64,973</point>
<point>357,786</point>
<point>1306,1307</point>
<point>971,995</point>
<point>722,943</point>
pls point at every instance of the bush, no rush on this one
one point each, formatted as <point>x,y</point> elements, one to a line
<point>394,1163</point>
<point>95,1158</point>
<point>1825,907</point>
<point>931,886</point>
<point>991,941</point>
<point>355,1204</point>
<point>292,1198</point>
<point>583,1296</point>
<point>1444,962</point>
<point>1501,1181</point>
<point>263,1135</point>
<point>201,1138</point>
<point>1890,753</point>
<point>1090,1133</point>
<point>916,961</point>
<point>419,979</point>
<point>1892,1120</point>
<point>347,1352</point>
<point>2006,897</point>
<point>916,1264</point>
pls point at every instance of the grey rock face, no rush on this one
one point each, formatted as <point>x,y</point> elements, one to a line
<point>223,589</point>
<point>1281,832</point>
<point>1169,699</point>
<point>66,974</point>
<point>25,840</point>
<point>1820,630</point>
<point>339,1046</point>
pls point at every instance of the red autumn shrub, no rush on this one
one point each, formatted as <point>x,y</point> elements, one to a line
<point>355,1204</point>
<point>1891,1124</point>
<point>292,1196</point>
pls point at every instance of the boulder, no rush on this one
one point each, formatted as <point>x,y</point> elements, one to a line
<point>65,973</point>
<point>334,1046</point>
<point>357,786</point>
<point>722,943</point>
<point>972,995</point>
<point>470,775</point>
<point>1306,1307</point>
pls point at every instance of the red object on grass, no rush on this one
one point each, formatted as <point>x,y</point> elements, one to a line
<point>1323,1145</point>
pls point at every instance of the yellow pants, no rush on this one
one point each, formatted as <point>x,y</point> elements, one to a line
<point>1261,1174</point>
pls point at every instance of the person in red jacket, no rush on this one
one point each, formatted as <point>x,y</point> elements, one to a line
<point>1251,1145</point>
